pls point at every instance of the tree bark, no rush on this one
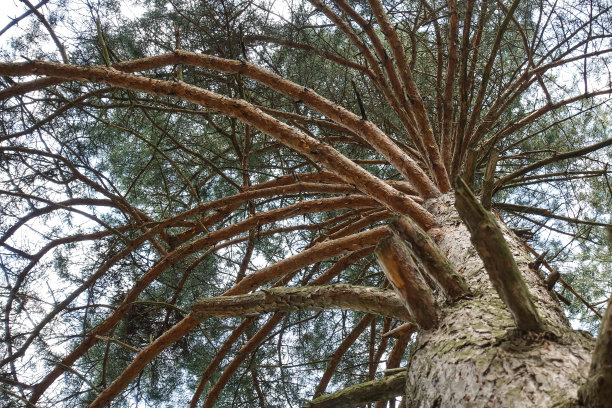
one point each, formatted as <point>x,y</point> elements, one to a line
<point>289,299</point>
<point>476,357</point>
<point>356,395</point>
<point>597,391</point>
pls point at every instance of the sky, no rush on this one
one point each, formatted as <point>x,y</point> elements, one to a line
<point>10,10</point>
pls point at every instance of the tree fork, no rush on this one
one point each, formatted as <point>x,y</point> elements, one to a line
<point>432,258</point>
<point>265,330</point>
<point>147,354</point>
<point>395,259</point>
<point>487,238</point>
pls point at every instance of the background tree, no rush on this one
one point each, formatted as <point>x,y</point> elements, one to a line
<point>200,202</point>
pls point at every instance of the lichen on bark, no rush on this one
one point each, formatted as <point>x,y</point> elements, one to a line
<point>476,357</point>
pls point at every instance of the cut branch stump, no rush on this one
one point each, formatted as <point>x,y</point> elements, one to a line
<point>395,259</point>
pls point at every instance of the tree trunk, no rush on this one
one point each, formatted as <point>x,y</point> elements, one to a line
<point>476,357</point>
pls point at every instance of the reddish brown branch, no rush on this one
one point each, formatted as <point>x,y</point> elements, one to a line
<point>250,115</point>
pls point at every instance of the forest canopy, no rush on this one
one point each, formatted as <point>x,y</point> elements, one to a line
<point>252,203</point>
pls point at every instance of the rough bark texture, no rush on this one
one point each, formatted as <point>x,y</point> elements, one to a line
<point>383,388</point>
<point>597,391</point>
<point>498,260</point>
<point>476,357</point>
<point>289,299</point>
<point>395,259</point>
<point>434,261</point>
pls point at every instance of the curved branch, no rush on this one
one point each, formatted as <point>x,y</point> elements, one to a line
<point>52,206</point>
<point>307,257</point>
<point>265,330</point>
<point>249,114</point>
<point>317,253</point>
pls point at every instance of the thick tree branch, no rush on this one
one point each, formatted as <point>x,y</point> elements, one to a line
<point>497,258</point>
<point>320,252</point>
<point>357,395</point>
<point>451,73</point>
<point>316,253</point>
<point>360,298</point>
<point>489,178</point>
<point>244,111</point>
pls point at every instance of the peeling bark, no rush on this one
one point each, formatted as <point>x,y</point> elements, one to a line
<point>435,262</point>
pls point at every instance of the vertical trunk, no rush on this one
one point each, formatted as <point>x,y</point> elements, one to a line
<point>476,357</point>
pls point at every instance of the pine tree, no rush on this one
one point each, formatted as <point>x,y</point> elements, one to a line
<point>323,204</point>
